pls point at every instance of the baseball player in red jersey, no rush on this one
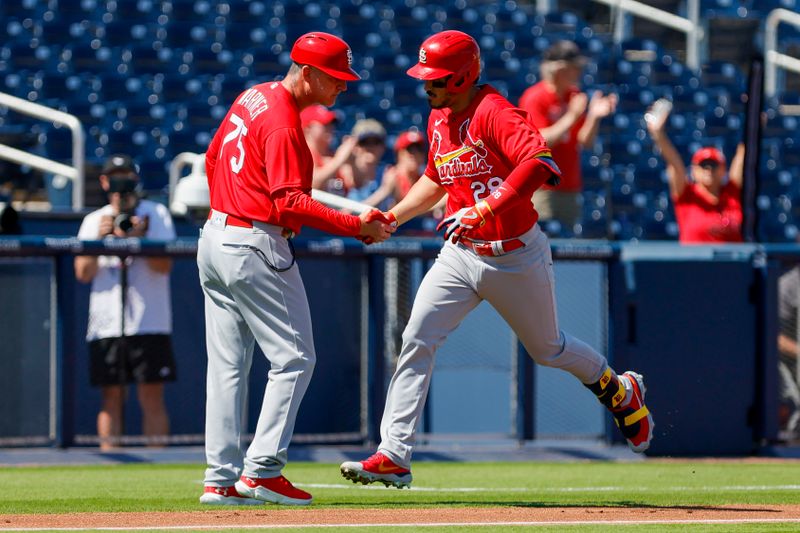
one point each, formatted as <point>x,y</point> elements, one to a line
<point>488,157</point>
<point>259,172</point>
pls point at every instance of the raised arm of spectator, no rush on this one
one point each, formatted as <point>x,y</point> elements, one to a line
<point>328,170</point>
<point>555,132</point>
<point>600,106</point>
<point>736,170</point>
<point>676,170</point>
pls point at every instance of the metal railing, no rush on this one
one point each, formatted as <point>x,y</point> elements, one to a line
<point>690,26</point>
<point>76,172</point>
<point>197,162</point>
<point>772,58</point>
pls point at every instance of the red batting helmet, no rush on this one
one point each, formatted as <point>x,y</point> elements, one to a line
<point>449,53</point>
<point>326,52</point>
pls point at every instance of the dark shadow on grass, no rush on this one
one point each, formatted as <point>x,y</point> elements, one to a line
<point>544,505</point>
<point>122,457</point>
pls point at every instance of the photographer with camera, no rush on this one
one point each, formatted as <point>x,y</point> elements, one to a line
<point>133,346</point>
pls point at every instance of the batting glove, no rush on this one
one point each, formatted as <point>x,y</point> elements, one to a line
<point>464,220</point>
<point>387,218</point>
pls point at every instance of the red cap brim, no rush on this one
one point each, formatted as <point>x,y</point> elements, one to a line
<point>346,75</point>
<point>421,72</point>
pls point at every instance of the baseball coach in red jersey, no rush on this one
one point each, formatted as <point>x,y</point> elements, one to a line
<point>259,173</point>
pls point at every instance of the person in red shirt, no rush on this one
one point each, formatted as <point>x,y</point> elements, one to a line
<point>410,151</point>
<point>259,171</point>
<point>488,158</point>
<point>318,123</point>
<point>568,120</point>
<point>708,207</point>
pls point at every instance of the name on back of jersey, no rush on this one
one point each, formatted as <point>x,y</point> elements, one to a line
<point>254,102</point>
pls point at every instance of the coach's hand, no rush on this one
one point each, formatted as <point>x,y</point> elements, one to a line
<point>376,226</point>
<point>464,220</point>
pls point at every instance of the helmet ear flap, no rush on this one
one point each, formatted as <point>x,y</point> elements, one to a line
<point>461,81</point>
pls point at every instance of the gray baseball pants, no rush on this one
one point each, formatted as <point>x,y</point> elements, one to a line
<point>245,302</point>
<point>519,285</point>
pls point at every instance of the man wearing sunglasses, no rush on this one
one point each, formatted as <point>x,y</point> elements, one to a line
<point>707,199</point>
<point>488,158</point>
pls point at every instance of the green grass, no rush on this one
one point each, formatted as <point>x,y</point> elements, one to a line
<point>144,487</point>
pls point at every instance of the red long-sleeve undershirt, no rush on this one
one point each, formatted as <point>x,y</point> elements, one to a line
<point>297,208</point>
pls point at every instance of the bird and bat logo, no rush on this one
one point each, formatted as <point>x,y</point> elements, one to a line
<point>466,161</point>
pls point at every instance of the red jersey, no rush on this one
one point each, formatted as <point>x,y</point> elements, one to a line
<point>545,108</point>
<point>701,218</point>
<point>260,150</point>
<point>473,151</point>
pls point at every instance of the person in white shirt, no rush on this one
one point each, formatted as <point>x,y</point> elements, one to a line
<point>142,353</point>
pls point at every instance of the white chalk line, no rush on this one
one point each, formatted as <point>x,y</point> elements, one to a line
<point>560,523</point>
<point>715,488</point>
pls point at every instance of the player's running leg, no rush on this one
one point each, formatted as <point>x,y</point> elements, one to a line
<point>445,296</point>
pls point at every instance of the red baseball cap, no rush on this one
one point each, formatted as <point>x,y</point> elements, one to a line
<point>708,153</point>
<point>326,52</point>
<point>317,113</point>
<point>407,138</point>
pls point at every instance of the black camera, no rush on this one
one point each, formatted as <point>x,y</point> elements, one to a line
<point>124,222</point>
<point>127,186</point>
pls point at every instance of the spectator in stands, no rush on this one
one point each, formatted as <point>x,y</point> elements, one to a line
<point>140,353</point>
<point>411,154</point>
<point>568,120</point>
<point>362,175</point>
<point>789,406</point>
<point>318,122</point>
<point>708,206</point>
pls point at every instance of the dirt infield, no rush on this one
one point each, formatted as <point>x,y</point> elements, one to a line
<point>219,518</point>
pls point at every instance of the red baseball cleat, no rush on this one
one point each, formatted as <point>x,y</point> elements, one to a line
<point>377,468</point>
<point>272,489</point>
<point>634,419</point>
<point>226,496</point>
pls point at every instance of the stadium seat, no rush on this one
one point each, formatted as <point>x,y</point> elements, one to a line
<point>202,117</point>
<point>57,142</point>
<point>132,11</point>
<point>144,59</point>
<point>245,35</point>
<point>227,88</point>
<point>29,55</point>
<point>188,11</point>
<point>205,61</point>
<point>723,74</point>
<point>184,34</point>
<point>238,11</point>
<point>57,30</point>
<point>185,140</point>
<point>86,58</point>
<point>21,8</point>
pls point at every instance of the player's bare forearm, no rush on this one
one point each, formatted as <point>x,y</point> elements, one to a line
<point>787,346</point>
<point>553,133</point>
<point>588,132</point>
<point>329,169</point>
<point>85,268</point>
<point>676,170</point>
<point>424,194</point>
<point>162,265</point>
<point>736,172</point>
